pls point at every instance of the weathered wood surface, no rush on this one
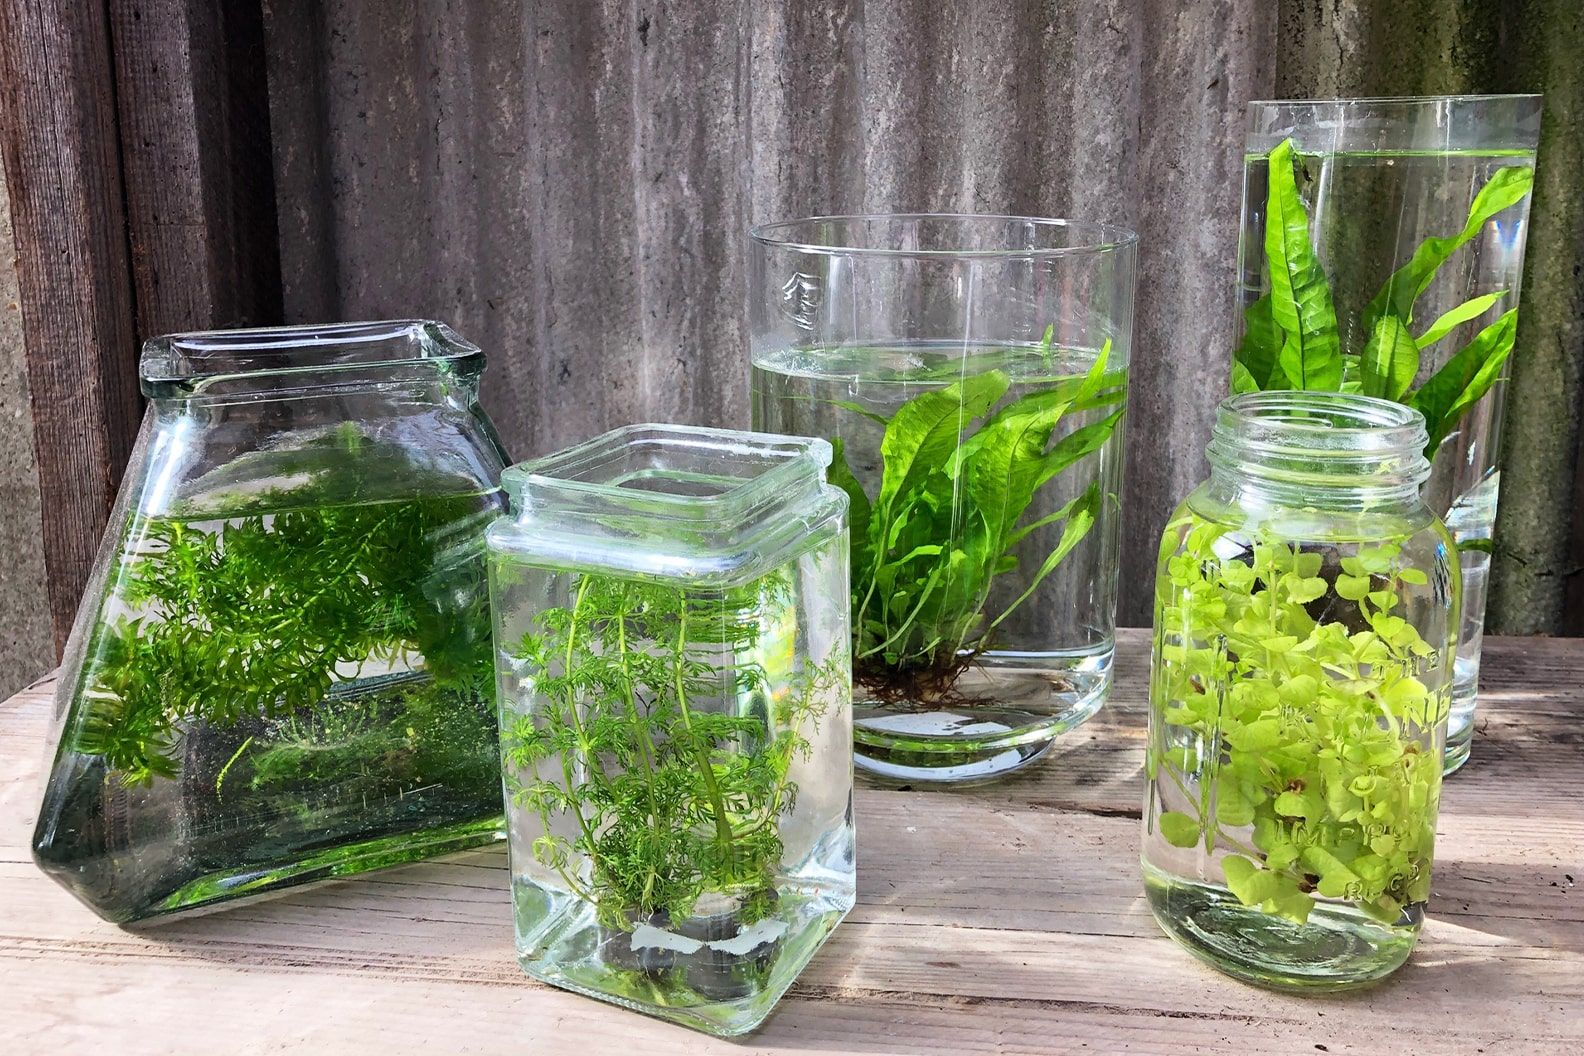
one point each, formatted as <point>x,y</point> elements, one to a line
<point>63,174</point>
<point>567,182</point>
<point>195,154</point>
<point>1003,920</point>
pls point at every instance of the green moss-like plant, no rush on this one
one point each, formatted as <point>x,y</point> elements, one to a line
<point>669,797</point>
<point>1296,717</point>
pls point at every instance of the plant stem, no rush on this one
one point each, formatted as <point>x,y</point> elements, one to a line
<point>723,833</point>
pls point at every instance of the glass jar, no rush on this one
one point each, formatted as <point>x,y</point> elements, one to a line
<point>281,668</point>
<point>1401,234</point>
<point>676,717</point>
<point>1305,619</point>
<point>970,373</point>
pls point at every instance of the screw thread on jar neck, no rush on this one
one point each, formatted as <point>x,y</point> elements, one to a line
<point>1319,449</point>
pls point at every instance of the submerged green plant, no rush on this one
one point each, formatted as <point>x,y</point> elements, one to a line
<point>1296,724</point>
<point>250,617</point>
<point>951,512</point>
<point>1291,340</point>
<point>668,797</point>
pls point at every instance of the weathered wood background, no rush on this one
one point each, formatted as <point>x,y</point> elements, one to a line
<point>568,183</point>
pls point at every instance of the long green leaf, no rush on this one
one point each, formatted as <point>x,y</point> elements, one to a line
<point>858,510</point>
<point>1078,524</point>
<point>1439,398</point>
<point>1260,349</point>
<point>1390,360</point>
<point>858,408</point>
<point>1450,320</point>
<point>1050,518</point>
<point>1076,445</point>
<point>1300,302</point>
<point>927,429</point>
<point>1506,188</point>
<point>1007,462</point>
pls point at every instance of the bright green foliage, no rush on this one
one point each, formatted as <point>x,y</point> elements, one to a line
<point>247,617</point>
<point>1300,299</point>
<point>959,476</point>
<point>1296,719</point>
<point>1290,339</point>
<point>624,740</point>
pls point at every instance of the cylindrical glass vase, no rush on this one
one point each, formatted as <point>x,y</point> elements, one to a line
<point>676,717</point>
<point>1382,252</point>
<point>971,373</point>
<point>281,668</point>
<point>1305,620</point>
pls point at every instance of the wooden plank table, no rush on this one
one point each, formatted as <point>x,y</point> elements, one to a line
<point>1005,919</point>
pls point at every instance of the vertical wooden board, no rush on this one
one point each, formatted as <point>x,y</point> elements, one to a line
<point>63,173</point>
<point>192,103</point>
<point>1001,108</point>
<point>1201,64</point>
<point>578,368</point>
<point>297,56</point>
<point>1538,571</point>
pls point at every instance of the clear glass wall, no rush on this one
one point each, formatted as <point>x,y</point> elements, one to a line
<point>971,374</point>
<point>1382,252</point>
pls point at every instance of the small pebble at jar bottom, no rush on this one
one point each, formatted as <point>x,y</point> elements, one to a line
<point>674,974</point>
<point>1339,949</point>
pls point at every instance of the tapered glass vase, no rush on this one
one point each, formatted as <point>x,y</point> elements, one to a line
<point>971,374</point>
<point>280,671</point>
<point>1382,253</point>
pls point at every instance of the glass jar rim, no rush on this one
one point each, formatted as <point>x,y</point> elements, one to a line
<point>1408,101</point>
<point>1095,236</point>
<point>1320,439</point>
<point>187,363</point>
<point>709,504</point>
<point>1416,124</point>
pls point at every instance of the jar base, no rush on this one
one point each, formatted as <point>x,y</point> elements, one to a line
<point>713,974</point>
<point>1338,949</point>
<point>1005,714</point>
<point>1460,719</point>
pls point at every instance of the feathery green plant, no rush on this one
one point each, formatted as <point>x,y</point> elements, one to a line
<point>670,798</point>
<point>250,617</point>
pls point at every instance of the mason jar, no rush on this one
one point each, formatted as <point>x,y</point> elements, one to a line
<point>281,668</point>
<point>676,717</point>
<point>1396,229</point>
<point>1306,619</point>
<point>970,373</point>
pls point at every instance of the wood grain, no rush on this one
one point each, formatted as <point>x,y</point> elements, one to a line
<point>193,107</point>
<point>568,182</point>
<point>1008,919</point>
<point>63,173</point>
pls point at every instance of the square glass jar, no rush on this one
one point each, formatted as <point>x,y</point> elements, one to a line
<point>672,648</point>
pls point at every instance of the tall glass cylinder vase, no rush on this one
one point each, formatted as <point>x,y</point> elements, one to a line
<point>1381,253</point>
<point>970,373</point>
